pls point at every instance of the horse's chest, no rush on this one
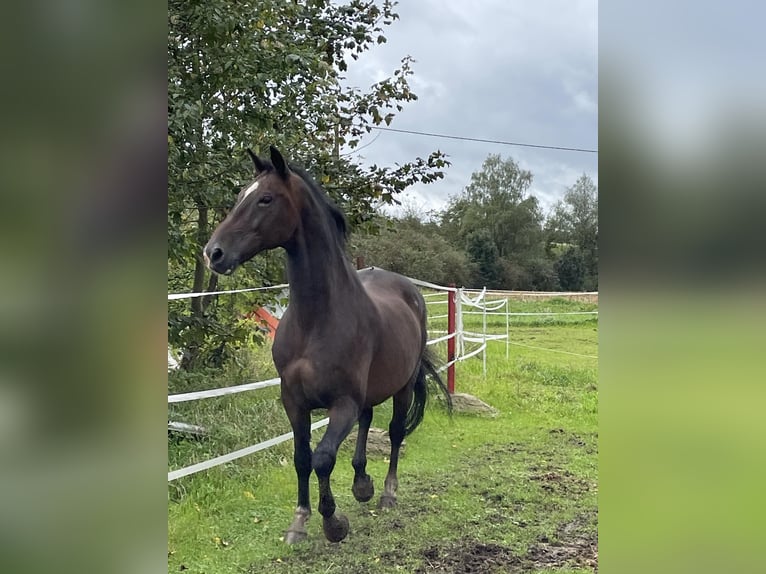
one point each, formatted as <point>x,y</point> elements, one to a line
<point>318,381</point>
<point>323,342</point>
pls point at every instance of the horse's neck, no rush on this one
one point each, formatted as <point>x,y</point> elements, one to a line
<point>319,273</point>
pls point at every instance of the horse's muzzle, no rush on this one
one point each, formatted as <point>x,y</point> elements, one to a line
<point>217,260</point>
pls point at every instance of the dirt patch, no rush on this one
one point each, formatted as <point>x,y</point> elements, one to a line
<point>559,481</point>
<point>588,442</point>
<point>470,557</point>
<point>576,545</point>
<point>582,553</point>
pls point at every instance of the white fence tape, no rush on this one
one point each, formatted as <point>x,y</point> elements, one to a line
<point>472,353</point>
<point>440,339</point>
<point>174,296</point>
<point>223,459</point>
<point>487,308</point>
<point>500,293</point>
<point>554,350</point>
<point>486,305</point>
<point>532,314</point>
<point>480,337</point>
<point>431,285</point>
<point>447,366</point>
<point>475,301</point>
<point>193,396</point>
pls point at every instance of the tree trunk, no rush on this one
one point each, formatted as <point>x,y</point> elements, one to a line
<point>191,353</point>
<point>199,263</point>
<point>212,285</point>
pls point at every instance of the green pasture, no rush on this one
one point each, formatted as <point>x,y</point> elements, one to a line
<point>513,493</point>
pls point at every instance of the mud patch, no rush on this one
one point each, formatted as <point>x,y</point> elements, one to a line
<point>588,441</point>
<point>470,557</point>
<point>582,553</point>
<point>559,481</point>
<point>576,544</point>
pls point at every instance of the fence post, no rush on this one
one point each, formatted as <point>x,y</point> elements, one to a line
<point>459,320</point>
<point>507,330</point>
<point>451,341</point>
<point>484,333</point>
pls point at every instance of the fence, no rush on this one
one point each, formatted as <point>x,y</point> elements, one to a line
<point>455,336</point>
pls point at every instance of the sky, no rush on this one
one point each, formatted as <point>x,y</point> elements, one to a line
<point>510,70</point>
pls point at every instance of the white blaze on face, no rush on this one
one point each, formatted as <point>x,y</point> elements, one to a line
<point>250,189</point>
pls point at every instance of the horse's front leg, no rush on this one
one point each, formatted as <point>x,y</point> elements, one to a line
<point>300,420</point>
<point>343,414</point>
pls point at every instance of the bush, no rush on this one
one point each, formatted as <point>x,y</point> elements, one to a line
<point>415,251</point>
<point>570,269</point>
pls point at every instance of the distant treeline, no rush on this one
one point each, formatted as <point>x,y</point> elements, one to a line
<point>494,234</point>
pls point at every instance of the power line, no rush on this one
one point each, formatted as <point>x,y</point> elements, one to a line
<point>353,151</point>
<point>484,140</point>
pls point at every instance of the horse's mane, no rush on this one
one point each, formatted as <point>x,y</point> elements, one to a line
<point>324,201</point>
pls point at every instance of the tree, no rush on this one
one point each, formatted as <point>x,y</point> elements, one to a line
<point>496,208</point>
<point>243,75</point>
<point>570,269</point>
<point>483,252</point>
<point>411,247</point>
<point>574,222</point>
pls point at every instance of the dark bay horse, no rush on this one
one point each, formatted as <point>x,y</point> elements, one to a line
<point>347,342</point>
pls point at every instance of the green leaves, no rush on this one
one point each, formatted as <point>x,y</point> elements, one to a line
<point>497,202</point>
<point>238,77</point>
<point>574,222</point>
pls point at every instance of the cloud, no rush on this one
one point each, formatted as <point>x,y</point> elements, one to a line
<point>507,70</point>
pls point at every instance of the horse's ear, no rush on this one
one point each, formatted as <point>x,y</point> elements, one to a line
<point>259,165</point>
<point>279,163</point>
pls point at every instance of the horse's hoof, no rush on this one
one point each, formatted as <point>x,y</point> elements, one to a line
<point>363,489</point>
<point>295,536</point>
<point>387,501</point>
<point>335,528</point>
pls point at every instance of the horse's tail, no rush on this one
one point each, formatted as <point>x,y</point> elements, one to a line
<point>426,370</point>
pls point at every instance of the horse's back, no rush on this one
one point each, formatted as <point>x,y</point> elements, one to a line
<point>387,289</point>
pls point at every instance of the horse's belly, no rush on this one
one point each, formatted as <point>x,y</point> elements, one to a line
<point>390,371</point>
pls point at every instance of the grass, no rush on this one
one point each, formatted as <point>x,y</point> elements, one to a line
<point>514,493</point>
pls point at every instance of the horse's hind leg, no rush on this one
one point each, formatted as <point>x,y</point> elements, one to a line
<point>363,488</point>
<point>343,414</point>
<point>402,401</point>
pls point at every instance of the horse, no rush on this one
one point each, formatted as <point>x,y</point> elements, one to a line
<point>348,341</point>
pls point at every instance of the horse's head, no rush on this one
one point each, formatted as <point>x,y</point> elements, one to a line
<point>265,216</point>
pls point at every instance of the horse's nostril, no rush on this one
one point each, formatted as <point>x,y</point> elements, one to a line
<point>216,254</point>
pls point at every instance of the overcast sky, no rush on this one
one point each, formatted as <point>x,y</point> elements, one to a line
<point>512,70</point>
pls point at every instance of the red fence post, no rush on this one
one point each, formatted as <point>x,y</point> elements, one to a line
<point>451,341</point>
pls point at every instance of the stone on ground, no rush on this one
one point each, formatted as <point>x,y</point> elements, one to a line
<point>468,404</point>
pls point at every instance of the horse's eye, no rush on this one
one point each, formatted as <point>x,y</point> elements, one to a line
<point>265,200</point>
